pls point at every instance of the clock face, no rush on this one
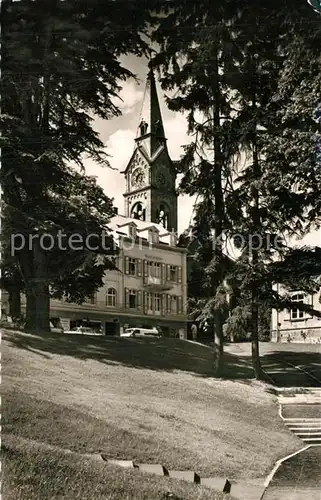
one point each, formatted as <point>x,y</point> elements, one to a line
<point>138,178</point>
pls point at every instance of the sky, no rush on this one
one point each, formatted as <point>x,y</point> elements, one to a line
<point>118,135</point>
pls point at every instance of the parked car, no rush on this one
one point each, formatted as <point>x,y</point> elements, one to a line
<point>141,332</point>
<point>56,329</point>
<point>83,330</point>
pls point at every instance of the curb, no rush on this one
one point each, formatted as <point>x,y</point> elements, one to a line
<point>161,470</point>
<point>276,467</point>
<point>280,412</point>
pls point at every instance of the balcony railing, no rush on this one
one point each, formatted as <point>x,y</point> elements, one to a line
<point>153,283</point>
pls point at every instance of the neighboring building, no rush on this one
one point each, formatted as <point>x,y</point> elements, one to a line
<point>294,325</point>
<point>150,287</point>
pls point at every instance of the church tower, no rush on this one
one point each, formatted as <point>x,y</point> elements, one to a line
<point>150,174</point>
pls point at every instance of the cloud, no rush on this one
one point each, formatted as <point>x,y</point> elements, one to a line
<point>119,148</point>
<point>176,131</point>
<point>130,96</point>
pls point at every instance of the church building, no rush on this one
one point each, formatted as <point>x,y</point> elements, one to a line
<point>150,288</point>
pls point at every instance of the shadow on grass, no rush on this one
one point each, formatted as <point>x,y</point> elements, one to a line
<point>292,368</point>
<point>164,354</point>
<point>168,354</point>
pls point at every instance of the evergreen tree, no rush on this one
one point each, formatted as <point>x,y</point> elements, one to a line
<point>271,194</point>
<point>243,62</point>
<point>60,66</point>
<point>198,53</point>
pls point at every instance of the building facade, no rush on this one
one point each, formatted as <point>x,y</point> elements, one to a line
<point>295,325</point>
<point>149,289</point>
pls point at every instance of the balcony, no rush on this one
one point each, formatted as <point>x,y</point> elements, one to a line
<point>156,284</point>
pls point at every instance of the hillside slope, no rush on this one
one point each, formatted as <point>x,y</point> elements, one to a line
<point>143,399</point>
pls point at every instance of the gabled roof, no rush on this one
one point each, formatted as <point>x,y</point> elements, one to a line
<point>118,223</point>
<point>120,220</point>
<point>150,228</point>
<point>129,223</point>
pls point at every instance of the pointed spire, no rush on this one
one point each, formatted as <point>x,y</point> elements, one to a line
<point>150,128</point>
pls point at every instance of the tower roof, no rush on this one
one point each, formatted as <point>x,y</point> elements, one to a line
<point>150,132</point>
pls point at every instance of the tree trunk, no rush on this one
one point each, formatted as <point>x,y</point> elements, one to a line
<point>254,252</point>
<point>219,218</point>
<point>218,344</point>
<point>33,263</point>
<point>31,308</point>
<point>256,362</point>
<point>14,304</point>
<point>41,287</point>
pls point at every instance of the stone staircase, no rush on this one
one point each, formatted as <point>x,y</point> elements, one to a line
<point>311,396</point>
<point>307,429</point>
<point>300,410</point>
<point>301,413</point>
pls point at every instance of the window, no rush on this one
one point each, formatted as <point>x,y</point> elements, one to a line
<point>173,304</point>
<point>157,270</point>
<point>295,312</point>
<point>150,267</point>
<point>138,212</point>
<point>111,297</point>
<point>132,299</point>
<point>153,236</point>
<point>154,269</point>
<point>149,301</point>
<point>92,299</point>
<point>173,273</point>
<point>132,231</point>
<point>157,302</point>
<point>132,266</point>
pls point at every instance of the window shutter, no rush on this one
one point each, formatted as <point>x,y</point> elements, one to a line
<point>310,301</point>
<point>179,274</point>
<point>168,278</point>
<point>163,271</point>
<point>163,303</point>
<point>145,302</point>
<point>126,297</point>
<point>126,265</point>
<point>139,267</point>
<point>176,302</point>
<point>139,299</point>
<point>168,297</point>
<point>145,270</point>
<point>180,305</point>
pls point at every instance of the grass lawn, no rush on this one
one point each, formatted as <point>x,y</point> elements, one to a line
<point>37,472</point>
<point>149,400</point>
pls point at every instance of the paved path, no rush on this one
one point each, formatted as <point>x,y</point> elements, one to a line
<point>296,372</point>
<point>299,477</point>
<point>281,493</point>
<point>289,365</point>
